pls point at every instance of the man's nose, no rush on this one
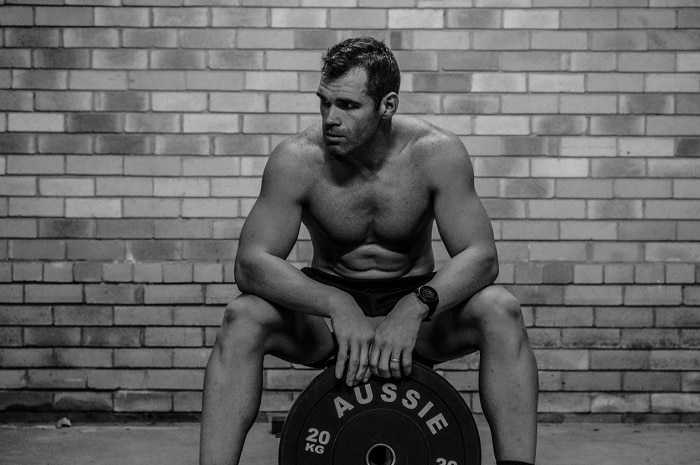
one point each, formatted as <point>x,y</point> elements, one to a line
<point>332,116</point>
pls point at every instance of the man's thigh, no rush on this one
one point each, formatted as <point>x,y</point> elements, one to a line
<point>455,332</point>
<point>296,337</point>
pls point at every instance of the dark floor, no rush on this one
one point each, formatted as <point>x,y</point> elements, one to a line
<point>568,444</point>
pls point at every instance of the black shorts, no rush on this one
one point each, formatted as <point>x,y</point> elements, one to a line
<point>376,297</point>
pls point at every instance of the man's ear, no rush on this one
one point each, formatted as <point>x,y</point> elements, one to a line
<point>389,105</point>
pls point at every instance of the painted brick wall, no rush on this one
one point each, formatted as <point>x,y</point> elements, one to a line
<point>133,134</point>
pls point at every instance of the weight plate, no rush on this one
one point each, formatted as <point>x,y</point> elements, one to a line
<point>416,420</point>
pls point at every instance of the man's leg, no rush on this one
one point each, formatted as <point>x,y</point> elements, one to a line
<point>492,323</point>
<point>233,381</point>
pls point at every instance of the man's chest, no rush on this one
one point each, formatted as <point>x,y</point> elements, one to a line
<point>390,208</point>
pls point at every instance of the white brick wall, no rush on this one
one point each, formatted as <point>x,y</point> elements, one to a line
<point>133,140</point>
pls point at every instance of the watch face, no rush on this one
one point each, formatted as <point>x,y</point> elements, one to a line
<point>428,293</point>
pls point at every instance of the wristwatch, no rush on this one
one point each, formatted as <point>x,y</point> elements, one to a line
<point>429,297</point>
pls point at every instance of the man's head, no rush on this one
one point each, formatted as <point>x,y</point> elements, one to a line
<point>383,75</point>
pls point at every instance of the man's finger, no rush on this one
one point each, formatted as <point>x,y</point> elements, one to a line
<point>407,362</point>
<point>374,360</point>
<point>341,359</point>
<point>368,375</point>
<point>383,365</point>
<point>395,365</point>
<point>353,364</point>
<point>362,367</point>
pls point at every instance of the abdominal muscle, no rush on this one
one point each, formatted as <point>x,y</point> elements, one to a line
<point>372,261</point>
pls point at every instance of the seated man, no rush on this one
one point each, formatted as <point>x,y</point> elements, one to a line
<point>368,185</point>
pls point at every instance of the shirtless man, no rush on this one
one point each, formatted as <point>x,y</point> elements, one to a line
<point>368,185</point>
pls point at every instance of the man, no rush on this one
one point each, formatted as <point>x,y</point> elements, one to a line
<point>368,185</point>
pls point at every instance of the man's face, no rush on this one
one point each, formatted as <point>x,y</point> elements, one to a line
<point>350,118</point>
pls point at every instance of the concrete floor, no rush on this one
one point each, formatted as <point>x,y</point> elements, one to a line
<point>559,444</point>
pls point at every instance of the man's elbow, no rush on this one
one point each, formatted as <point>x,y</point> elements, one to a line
<point>491,268</point>
<point>243,274</point>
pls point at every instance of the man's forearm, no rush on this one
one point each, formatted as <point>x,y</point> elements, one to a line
<point>463,276</point>
<point>277,281</point>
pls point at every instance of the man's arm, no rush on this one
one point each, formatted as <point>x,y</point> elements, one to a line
<point>270,232</point>
<point>267,237</point>
<point>464,227</point>
<point>466,231</point>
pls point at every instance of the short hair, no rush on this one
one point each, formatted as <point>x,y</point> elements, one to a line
<point>383,74</point>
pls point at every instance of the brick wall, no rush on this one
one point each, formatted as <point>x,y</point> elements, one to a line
<point>133,134</point>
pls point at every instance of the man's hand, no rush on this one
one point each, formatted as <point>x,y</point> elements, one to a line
<point>395,338</point>
<point>354,334</point>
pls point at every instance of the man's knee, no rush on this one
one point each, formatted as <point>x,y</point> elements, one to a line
<point>495,308</point>
<point>247,320</point>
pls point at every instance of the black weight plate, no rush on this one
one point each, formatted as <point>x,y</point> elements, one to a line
<point>389,428</point>
<point>416,420</point>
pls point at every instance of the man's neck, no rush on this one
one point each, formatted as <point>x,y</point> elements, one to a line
<point>369,159</point>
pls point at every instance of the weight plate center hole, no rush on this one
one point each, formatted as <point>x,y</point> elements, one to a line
<point>381,454</point>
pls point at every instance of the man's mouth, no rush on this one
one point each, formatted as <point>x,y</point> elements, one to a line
<point>334,138</point>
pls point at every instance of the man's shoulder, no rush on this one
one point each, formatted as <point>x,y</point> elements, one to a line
<point>298,153</point>
<point>428,140</point>
<point>292,167</point>
<point>440,154</point>
<point>305,144</point>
